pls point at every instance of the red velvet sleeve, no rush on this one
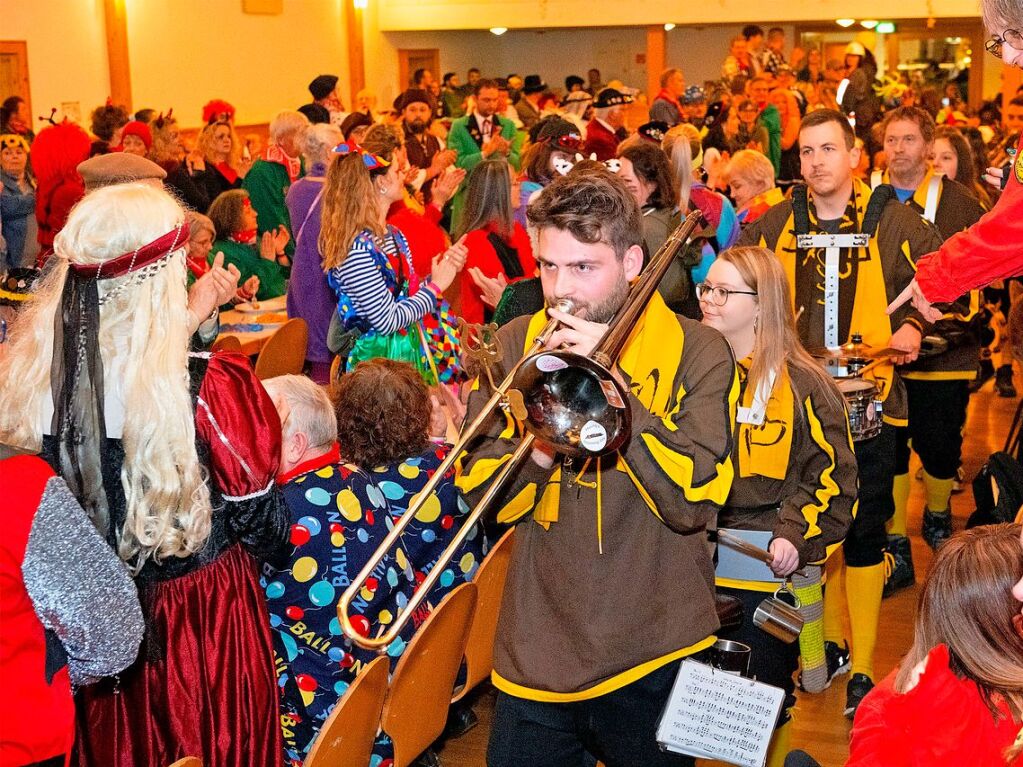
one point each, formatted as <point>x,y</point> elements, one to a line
<point>237,419</point>
<point>989,250</point>
<point>63,200</point>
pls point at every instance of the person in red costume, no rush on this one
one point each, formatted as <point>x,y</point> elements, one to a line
<point>990,249</point>
<point>957,698</point>
<point>56,153</point>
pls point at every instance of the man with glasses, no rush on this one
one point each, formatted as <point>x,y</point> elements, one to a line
<point>845,255</point>
<point>991,249</point>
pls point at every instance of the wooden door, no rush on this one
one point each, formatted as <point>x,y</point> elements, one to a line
<point>14,71</point>
<point>411,59</point>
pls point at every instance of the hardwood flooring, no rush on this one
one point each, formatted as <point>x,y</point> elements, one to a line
<point>819,726</point>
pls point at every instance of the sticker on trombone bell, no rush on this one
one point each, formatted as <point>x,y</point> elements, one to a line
<point>593,436</point>
<point>549,363</point>
<point>614,399</point>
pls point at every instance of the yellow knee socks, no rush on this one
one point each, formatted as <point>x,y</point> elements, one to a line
<point>938,493</point>
<point>900,493</point>
<point>863,587</point>
<point>834,599</point>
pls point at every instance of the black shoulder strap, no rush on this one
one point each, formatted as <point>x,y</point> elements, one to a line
<point>801,209</point>
<point>879,198</point>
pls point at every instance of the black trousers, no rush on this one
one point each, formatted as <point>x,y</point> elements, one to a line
<point>937,414</point>
<point>875,458</point>
<point>617,728</point>
<point>772,661</point>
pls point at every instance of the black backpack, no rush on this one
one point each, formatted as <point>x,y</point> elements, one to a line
<point>1003,471</point>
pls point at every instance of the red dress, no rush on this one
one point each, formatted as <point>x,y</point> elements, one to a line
<point>942,722</point>
<point>990,250</point>
<point>422,231</point>
<point>600,141</point>
<point>483,255</point>
<point>204,684</point>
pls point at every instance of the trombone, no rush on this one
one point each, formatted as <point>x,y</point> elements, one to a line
<point>571,401</point>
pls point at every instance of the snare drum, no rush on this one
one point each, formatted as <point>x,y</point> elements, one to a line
<point>863,401</point>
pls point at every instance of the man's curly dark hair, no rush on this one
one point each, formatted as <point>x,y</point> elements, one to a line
<point>383,413</point>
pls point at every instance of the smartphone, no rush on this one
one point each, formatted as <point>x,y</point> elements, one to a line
<point>945,102</point>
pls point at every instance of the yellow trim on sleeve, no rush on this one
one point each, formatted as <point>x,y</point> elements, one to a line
<point>827,488</point>
<point>895,421</point>
<point>679,469</point>
<point>608,685</point>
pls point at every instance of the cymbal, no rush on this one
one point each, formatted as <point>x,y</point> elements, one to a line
<point>853,351</point>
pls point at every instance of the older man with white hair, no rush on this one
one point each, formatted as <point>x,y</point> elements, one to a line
<point>338,519</point>
<point>277,168</point>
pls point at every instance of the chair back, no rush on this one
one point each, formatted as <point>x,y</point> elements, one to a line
<point>489,580</point>
<point>226,344</point>
<point>346,738</point>
<point>188,761</point>
<point>284,352</point>
<point>335,369</point>
<point>416,709</point>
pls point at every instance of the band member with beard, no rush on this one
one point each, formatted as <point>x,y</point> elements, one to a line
<point>423,148</point>
<point>839,291</point>
<point>611,582</point>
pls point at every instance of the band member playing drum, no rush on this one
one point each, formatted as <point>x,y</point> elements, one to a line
<point>840,282</point>
<point>611,582</point>
<point>795,468</point>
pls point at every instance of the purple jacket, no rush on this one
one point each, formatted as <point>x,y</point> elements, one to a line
<point>309,296</point>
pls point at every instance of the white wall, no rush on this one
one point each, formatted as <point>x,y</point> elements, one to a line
<point>63,67</point>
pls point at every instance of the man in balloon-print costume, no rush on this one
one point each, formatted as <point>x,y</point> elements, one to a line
<point>339,518</point>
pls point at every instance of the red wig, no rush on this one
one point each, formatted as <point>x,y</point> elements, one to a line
<point>212,111</point>
<point>56,152</point>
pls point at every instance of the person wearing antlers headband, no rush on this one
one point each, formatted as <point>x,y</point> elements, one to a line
<point>845,253</point>
<point>797,479</point>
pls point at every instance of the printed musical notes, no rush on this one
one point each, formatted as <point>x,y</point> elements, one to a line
<point>717,715</point>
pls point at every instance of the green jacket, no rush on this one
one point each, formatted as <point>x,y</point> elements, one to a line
<point>272,276</point>
<point>267,184</point>
<point>461,139</point>
<point>770,119</point>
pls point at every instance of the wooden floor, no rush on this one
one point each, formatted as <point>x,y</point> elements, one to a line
<point>819,726</point>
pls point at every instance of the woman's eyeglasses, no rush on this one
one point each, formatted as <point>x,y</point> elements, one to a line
<point>1011,36</point>
<point>718,295</point>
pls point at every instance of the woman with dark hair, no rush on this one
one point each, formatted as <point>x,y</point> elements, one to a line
<point>234,219</point>
<point>15,118</point>
<point>953,158</point>
<point>552,154</point>
<point>646,171</point>
<point>498,246</point>
<point>381,301</point>
<point>108,122</point>
<point>957,697</point>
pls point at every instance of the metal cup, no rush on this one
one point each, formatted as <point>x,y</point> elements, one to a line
<point>729,656</point>
<point>778,618</point>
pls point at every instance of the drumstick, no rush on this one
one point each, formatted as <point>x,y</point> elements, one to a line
<point>749,549</point>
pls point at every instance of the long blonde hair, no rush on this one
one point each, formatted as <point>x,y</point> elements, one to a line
<point>350,205</point>
<point>206,144</point>
<point>677,144</point>
<point>143,342</point>
<point>776,338</point>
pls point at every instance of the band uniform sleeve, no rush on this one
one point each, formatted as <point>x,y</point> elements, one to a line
<point>817,516</point>
<point>79,588</point>
<point>499,438</point>
<point>681,463</point>
<point>237,419</point>
<point>989,250</point>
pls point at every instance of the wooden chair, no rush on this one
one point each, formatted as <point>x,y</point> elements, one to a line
<point>416,709</point>
<point>489,580</point>
<point>227,344</point>
<point>284,352</point>
<point>335,369</point>
<point>188,761</point>
<point>346,738</point>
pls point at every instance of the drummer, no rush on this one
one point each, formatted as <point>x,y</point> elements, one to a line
<point>796,471</point>
<point>861,277</point>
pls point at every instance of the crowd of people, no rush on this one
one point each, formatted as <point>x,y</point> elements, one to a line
<point>212,534</point>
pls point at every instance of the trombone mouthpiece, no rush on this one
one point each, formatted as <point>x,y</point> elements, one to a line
<point>565,305</point>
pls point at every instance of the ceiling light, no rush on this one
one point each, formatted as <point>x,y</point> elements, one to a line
<point>360,3</point>
<point>845,22</point>
<point>885,28</point>
<point>498,30</point>
<point>868,23</point>
<point>668,27</point>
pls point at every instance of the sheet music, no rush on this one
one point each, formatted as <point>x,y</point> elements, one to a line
<point>717,715</point>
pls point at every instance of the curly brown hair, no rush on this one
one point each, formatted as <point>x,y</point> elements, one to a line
<point>383,413</point>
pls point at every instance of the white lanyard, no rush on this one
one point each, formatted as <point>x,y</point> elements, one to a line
<point>931,207</point>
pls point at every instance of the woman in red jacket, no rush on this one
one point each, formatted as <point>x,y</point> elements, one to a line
<point>56,153</point>
<point>957,698</point>
<point>498,246</point>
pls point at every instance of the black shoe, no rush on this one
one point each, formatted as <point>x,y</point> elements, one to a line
<point>855,692</point>
<point>937,527</point>
<point>985,370</point>
<point>898,565</point>
<point>837,659</point>
<point>1003,382</point>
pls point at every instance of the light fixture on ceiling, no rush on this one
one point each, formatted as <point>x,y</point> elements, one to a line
<point>845,22</point>
<point>868,23</point>
<point>668,27</point>
<point>360,3</point>
<point>498,30</point>
<point>885,28</point>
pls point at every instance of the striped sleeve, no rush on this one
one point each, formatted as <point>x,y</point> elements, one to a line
<point>359,278</point>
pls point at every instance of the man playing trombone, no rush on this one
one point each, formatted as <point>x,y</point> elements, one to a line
<point>611,582</point>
